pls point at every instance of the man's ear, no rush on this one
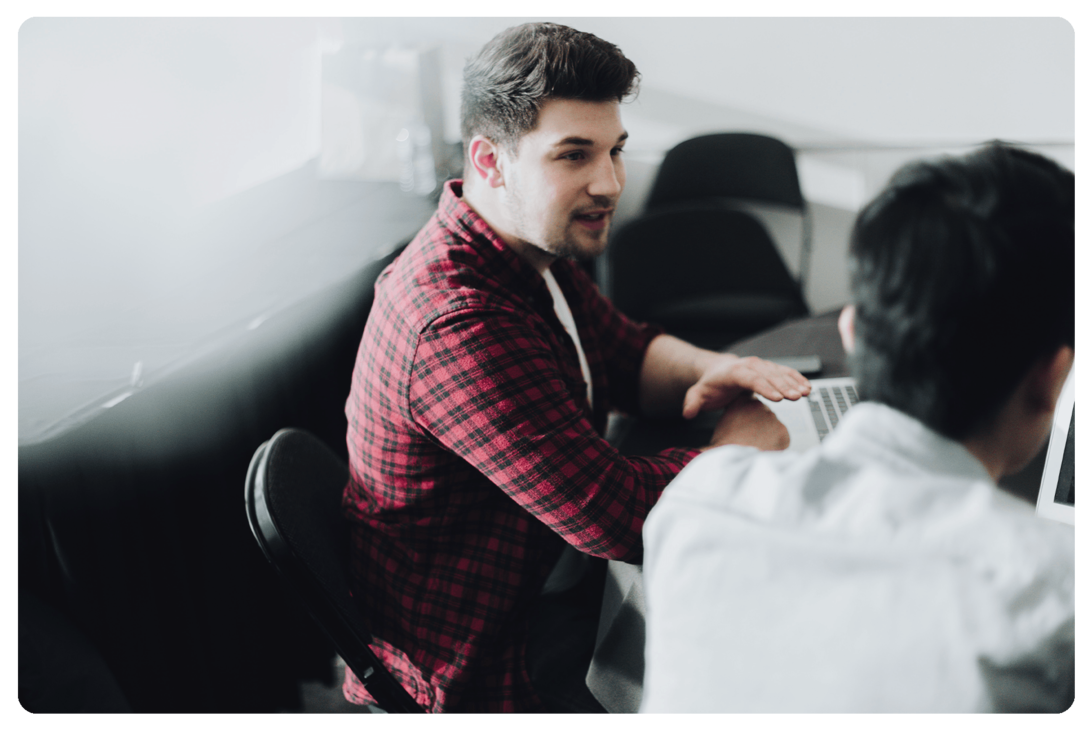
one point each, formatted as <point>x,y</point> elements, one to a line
<point>846,325</point>
<point>1047,377</point>
<point>485,161</point>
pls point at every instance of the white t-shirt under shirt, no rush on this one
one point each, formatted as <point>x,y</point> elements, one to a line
<point>564,314</point>
<point>571,565</point>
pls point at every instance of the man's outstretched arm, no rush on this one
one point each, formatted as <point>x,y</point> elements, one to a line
<point>677,377</point>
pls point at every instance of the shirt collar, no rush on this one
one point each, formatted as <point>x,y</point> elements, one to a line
<point>497,258</point>
<point>883,430</point>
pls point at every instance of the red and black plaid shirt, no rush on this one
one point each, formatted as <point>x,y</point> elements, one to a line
<point>474,453</point>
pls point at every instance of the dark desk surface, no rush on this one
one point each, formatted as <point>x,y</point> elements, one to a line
<point>131,523</point>
<point>806,336</point>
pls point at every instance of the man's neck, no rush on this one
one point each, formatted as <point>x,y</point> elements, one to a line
<point>989,454</point>
<point>1021,428</point>
<point>486,205</point>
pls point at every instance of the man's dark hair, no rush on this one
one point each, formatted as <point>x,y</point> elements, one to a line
<point>963,276</point>
<point>505,84</point>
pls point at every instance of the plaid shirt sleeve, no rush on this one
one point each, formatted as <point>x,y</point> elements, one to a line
<point>490,390</point>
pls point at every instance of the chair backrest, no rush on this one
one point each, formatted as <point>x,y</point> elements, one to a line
<point>293,503</point>
<point>733,166</point>
<point>708,273</point>
<point>727,165</point>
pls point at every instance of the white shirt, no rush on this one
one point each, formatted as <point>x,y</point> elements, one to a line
<point>880,571</point>
<point>564,314</point>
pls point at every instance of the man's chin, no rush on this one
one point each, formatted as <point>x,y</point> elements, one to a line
<point>581,255</point>
<point>587,249</point>
<point>575,248</point>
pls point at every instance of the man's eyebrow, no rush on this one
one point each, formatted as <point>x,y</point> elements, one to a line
<point>586,142</point>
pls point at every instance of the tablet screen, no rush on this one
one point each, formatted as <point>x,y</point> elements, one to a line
<point>1066,486</point>
<point>1057,493</point>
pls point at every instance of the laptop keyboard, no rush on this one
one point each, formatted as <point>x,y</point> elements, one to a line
<point>829,404</point>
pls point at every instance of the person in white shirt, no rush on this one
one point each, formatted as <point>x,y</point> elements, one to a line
<point>884,570</point>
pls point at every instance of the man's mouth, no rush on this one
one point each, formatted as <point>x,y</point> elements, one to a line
<point>593,219</point>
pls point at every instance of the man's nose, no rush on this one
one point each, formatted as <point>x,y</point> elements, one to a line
<point>608,179</point>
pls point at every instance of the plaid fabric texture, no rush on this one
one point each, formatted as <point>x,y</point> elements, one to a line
<point>474,455</point>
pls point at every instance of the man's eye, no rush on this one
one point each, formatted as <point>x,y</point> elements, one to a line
<point>617,151</point>
<point>576,155</point>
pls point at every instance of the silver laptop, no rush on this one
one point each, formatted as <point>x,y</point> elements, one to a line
<point>809,420</point>
<point>1057,491</point>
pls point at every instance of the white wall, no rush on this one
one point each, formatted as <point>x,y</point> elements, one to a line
<point>130,121</point>
<point>208,106</point>
<point>904,80</point>
<point>127,128</point>
<point>224,104</point>
<point>893,80</point>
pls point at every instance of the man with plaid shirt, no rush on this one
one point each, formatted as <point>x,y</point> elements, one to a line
<point>484,378</point>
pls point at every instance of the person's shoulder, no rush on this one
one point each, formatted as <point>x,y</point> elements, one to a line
<point>438,272</point>
<point>722,476</point>
<point>1038,538</point>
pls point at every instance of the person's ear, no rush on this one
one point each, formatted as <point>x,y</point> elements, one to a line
<point>846,325</point>
<point>485,161</point>
<point>1047,377</point>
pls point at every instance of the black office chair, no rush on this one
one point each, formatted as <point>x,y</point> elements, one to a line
<point>293,502</point>
<point>708,274</point>
<point>733,166</point>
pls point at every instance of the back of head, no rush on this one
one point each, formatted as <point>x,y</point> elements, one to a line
<point>505,84</point>
<point>963,276</point>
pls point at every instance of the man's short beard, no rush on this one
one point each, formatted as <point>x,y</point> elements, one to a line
<point>565,251</point>
<point>566,248</point>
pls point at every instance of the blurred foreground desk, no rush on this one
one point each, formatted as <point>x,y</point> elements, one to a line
<point>135,557</point>
<point>616,675</point>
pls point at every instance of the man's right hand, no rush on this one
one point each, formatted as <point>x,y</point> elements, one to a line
<point>750,423</point>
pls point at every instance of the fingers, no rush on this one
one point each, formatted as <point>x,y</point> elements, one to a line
<point>703,396</point>
<point>774,382</point>
<point>693,403</point>
<point>722,385</point>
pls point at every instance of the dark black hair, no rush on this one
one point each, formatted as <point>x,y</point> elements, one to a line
<point>505,84</point>
<point>963,276</point>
